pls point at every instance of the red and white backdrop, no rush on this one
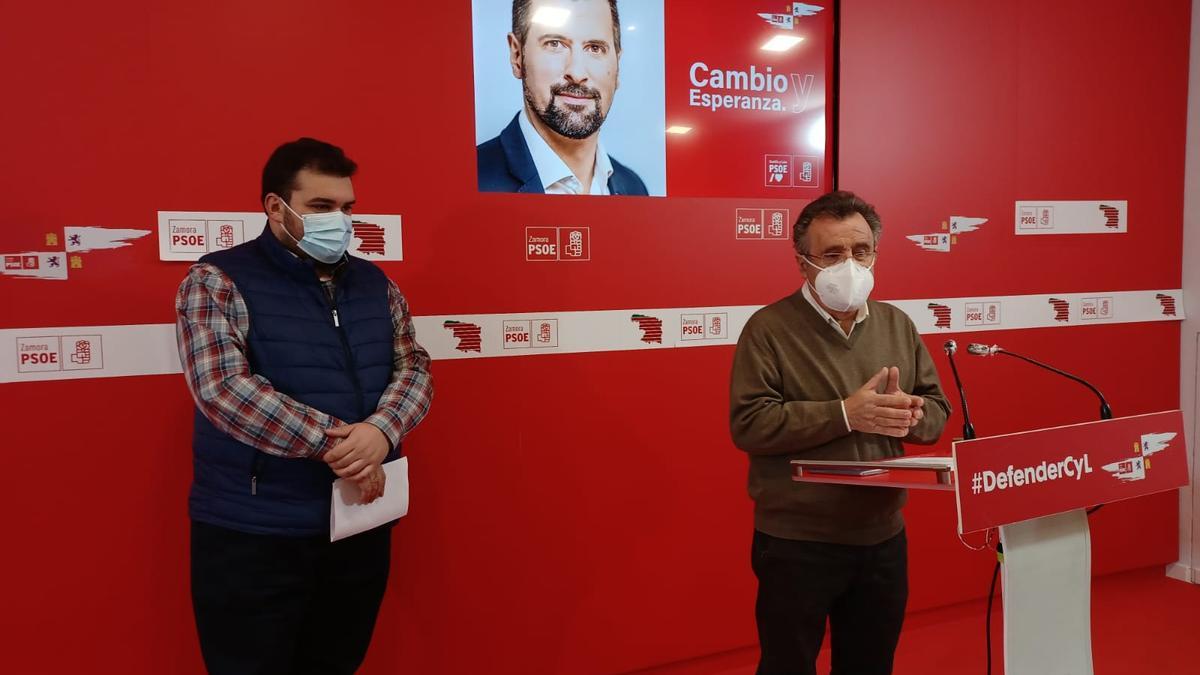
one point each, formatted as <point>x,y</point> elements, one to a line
<point>578,505</point>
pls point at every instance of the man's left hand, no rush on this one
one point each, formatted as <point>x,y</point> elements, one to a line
<point>362,446</point>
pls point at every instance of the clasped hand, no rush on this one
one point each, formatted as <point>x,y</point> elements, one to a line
<point>358,456</point>
<point>891,413</point>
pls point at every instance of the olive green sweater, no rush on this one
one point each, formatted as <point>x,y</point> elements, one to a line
<point>791,371</point>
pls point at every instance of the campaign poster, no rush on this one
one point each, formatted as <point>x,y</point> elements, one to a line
<point>653,98</point>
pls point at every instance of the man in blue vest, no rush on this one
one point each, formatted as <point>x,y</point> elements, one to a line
<point>568,70</point>
<point>304,367</point>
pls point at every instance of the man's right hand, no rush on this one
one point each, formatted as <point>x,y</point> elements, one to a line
<point>870,412</point>
<point>371,486</point>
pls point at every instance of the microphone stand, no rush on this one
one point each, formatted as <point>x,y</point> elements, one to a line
<point>1105,411</point>
<point>968,429</point>
<point>968,433</point>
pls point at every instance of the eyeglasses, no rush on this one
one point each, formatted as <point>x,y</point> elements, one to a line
<point>861,256</point>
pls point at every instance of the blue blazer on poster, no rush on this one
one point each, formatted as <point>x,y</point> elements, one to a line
<point>505,165</point>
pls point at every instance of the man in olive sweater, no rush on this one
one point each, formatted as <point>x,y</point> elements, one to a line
<point>826,374</point>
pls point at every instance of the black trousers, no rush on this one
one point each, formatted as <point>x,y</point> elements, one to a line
<point>269,605</point>
<point>861,590</point>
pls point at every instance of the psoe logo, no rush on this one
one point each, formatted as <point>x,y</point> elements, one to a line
<point>223,234</point>
<point>691,327</point>
<point>59,353</point>
<point>526,334</point>
<point>1135,468</point>
<point>1036,218</point>
<point>713,326</point>
<point>558,244</point>
<point>761,224</point>
<point>1094,309</point>
<point>576,243</point>
<point>777,170</point>
<point>807,171</point>
<point>716,326</point>
<point>227,234</point>
<point>982,313</point>
<point>188,236</point>
<point>776,221</point>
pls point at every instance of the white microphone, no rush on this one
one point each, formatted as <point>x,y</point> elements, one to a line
<point>982,350</point>
<point>951,347</point>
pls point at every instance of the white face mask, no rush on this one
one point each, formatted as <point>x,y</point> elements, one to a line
<point>844,286</point>
<point>326,235</point>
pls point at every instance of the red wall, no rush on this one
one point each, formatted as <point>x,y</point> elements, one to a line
<point>571,513</point>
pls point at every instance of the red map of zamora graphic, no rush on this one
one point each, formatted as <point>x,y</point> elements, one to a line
<point>468,334</point>
<point>1062,309</point>
<point>371,236</point>
<point>651,328</point>
<point>1168,304</point>
<point>1112,216</point>
<point>941,314</point>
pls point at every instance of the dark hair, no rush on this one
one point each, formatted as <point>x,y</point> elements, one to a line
<point>840,205</point>
<point>279,174</point>
<point>521,19</point>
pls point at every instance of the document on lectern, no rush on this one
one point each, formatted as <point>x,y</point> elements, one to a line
<point>347,517</point>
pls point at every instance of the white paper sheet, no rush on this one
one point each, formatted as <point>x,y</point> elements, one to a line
<point>919,462</point>
<point>347,517</point>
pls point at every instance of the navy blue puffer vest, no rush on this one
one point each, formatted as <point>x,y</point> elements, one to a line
<point>294,343</point>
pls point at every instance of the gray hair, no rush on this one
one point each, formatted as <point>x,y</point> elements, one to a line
<point>840,204</point>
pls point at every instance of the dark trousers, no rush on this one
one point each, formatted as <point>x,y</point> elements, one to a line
<point>861,590</point>
<point>269,605</point>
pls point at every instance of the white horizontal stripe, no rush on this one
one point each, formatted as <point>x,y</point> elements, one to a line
<point>31,354</point>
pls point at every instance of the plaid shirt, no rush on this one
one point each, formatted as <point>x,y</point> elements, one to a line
<point>211,327</point>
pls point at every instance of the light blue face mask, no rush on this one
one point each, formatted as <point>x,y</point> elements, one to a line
<point>326,235</point>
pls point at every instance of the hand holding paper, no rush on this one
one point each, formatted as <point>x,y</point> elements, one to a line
<point>361,446</point>
<point>348,515</point>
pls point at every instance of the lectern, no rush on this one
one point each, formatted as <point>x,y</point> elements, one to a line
<point>1035,486</point>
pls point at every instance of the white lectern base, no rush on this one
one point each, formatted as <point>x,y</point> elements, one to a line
<point>1047,596</point>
